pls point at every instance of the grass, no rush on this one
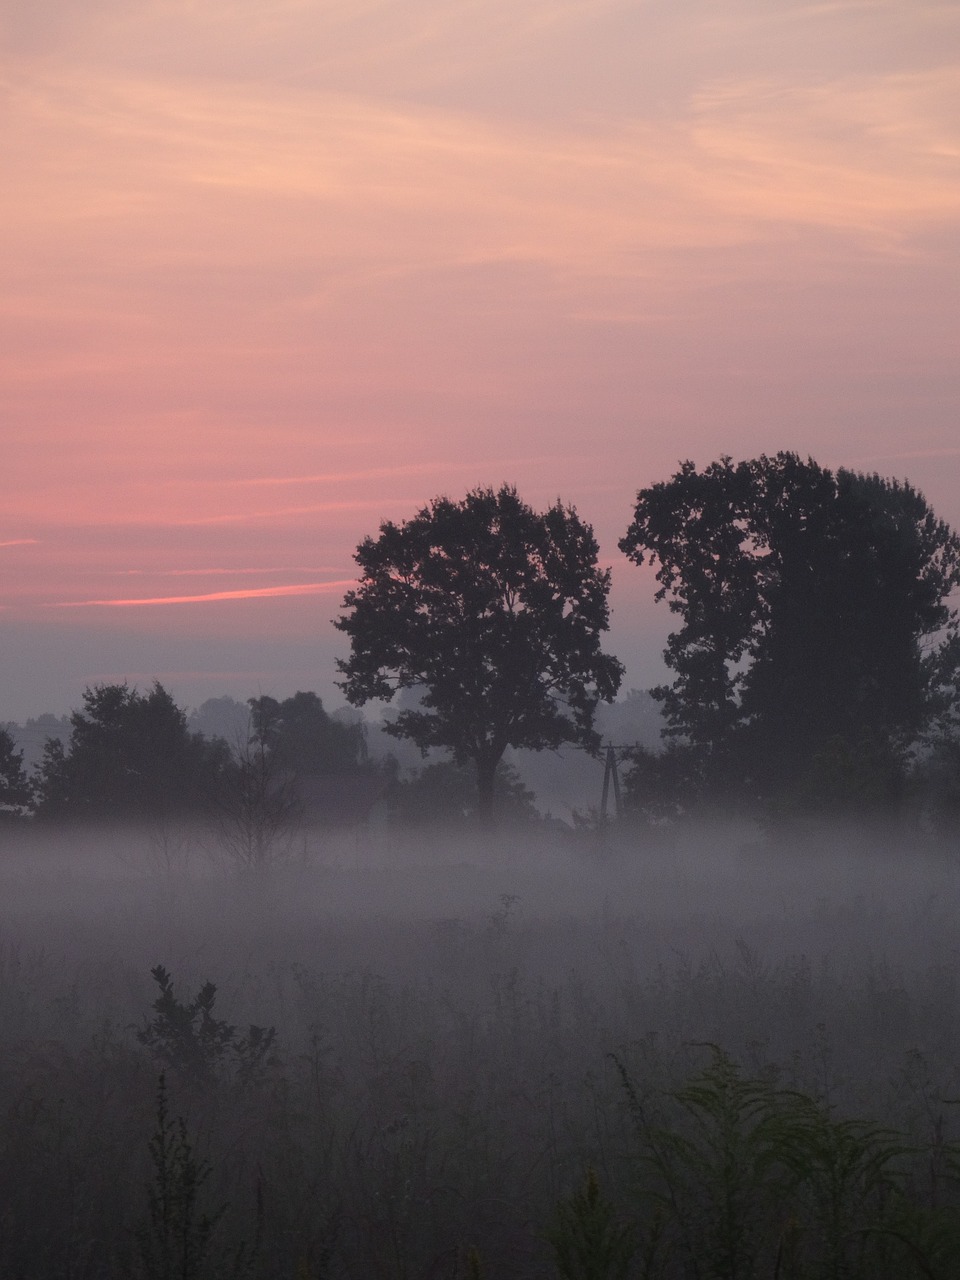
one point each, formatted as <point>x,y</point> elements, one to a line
<point>503,1086</point>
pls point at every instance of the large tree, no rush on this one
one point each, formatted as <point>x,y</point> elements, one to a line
<point>815,613</point>
<point>494,613</point>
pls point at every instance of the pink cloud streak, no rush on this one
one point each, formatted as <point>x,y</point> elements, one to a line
<point>204,573</point>
<point>254,593</point>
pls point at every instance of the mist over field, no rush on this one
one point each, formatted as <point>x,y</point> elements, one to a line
<point>445,1010</point>
<point>479,640</point>
<point>842,891</point>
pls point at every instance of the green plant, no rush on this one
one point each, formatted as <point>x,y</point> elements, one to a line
<point>757,1180</point>
<point>851,1173</point>
<point>174,1241</point>
<point>588,1241</point>
<point>474,1266</point>
<point>190,1039</point>
<point>717,1170</point>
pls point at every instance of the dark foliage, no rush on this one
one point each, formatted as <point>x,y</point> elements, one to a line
<point>660,786</point>
<point>935,782</point>
<point>189,1039</point>
<point>446,793</point>
<point>295,765</point>
<point>303,739</point>
<point>130,757</point>
<point>15,793</point>
<point>815,621</point>
<point>588,1241</point>
<point>174,1242</point>
<point>496,613</point>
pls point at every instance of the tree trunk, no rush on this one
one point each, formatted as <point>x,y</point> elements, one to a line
<point>486,773</point>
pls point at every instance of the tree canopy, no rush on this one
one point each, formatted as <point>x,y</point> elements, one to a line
<point>302,738</point>
<point>815,614</point>
<point>130,756</point>
<point>494,613</point>
<point>15,794</point>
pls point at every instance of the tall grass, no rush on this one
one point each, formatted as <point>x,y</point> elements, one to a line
<point>504,1091</point>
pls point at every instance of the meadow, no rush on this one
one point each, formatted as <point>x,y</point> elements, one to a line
<point>695,1056</point>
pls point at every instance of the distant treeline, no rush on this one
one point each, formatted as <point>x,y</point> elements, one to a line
<point>135,756</point>
<point>131,756</point>
<point>816,671</point>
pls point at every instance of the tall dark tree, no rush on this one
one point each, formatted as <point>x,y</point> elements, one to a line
<point>495,613</point>
<point>15,792</point>
<point>815,614</point>
<point>130,757</point>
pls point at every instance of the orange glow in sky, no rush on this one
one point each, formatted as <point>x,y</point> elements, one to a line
<point>274,273</point>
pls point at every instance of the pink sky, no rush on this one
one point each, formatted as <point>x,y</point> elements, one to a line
<point>273,273</point>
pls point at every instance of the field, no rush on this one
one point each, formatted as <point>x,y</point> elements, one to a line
<point>689,1057</point>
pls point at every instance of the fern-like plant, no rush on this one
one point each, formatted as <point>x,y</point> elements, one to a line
<point>588,1240</point>
<point>753,1180</point>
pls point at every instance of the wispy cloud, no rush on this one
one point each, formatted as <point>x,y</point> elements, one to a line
<point>20,542</point>
<point>242,517</point>
<point>455,186</point>
<point>854,153</point>
<point>345,477</point>
<point>907,455</point>
<point>402,470</point>
<point>218,572</point>
<point>254,593</point>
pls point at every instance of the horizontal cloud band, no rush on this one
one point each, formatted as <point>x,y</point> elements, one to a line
<point>254,593</point>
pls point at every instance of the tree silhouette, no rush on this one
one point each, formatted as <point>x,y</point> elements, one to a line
<point>494,613</point>
<point>130,756</point>
<point>15,794</point>
<point>258,807</point>
<point>302,738</point>
<point>814,610</point>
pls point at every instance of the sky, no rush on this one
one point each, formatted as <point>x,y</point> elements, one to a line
<point>273,273</point>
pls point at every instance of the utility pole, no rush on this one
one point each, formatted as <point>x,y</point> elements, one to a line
<point>611,774</point>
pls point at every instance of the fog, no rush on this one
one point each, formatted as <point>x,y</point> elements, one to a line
<point>86,915</point>
<point>445,1011</point>
<point>692,889</point>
